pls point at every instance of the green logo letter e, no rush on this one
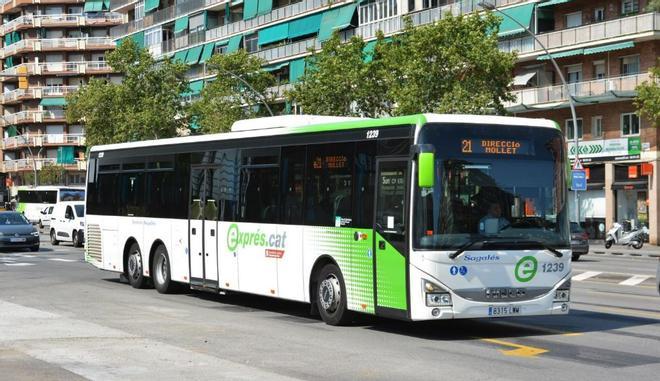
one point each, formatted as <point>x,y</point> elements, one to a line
<point>232,237</point>
<point>526,269</point>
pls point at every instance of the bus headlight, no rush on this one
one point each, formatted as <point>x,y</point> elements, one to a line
<point>438,299</point>
<point>563,292</point>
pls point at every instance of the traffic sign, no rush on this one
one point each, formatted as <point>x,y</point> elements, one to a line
<point>577,164</point>
<point>579,182</point>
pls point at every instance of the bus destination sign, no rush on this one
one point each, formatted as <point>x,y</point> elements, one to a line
<point>509,147</point>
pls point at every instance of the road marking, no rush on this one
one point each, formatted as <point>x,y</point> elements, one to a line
<point>634,280</point>
<point>520,351</point>
<point>62,260</point>
<point>586,275</point>
<point>19,264</point>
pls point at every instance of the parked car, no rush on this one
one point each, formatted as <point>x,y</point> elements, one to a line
<point>657,277</point>
<point>17,232</point>
<point>579,241</point>
<point>68,223</point>
<point>46,214</point>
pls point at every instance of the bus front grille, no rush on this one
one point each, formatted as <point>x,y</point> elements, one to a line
<point>93,252</point>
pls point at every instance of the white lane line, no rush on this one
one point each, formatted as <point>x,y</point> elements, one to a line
<point>62,260</point>
<point>586,275</point>
<point>634,280</point>
<point>19,264</point>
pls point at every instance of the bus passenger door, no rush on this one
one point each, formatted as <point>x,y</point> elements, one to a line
<point>196,225</point>
<point>211,212</point>
<point>390,232</point>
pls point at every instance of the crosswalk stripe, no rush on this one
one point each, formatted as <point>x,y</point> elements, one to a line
<point>586,275</point>
<point>634,280</point>
<point>19,264</point>
<point>62,260</point>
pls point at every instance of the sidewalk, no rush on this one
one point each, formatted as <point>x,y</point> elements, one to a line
<point>648,250</point>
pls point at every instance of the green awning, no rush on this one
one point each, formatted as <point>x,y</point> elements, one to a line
<point>181,24</point>
<point>335,19</point>
<point>250,8</point>
<point>522,14</point>
<point>553,2</point>
<point>193,54</point>
<point>56,101</point>
<point>93,6</point>
<point>180,56</point>
<point>275,67</point>
<point>368,50</point>
<point>568,53</point>
<point>296,70</point>
<point>106,5</point>
<point>305,26</point>
<point>207,52</point>
<point>138,38</point>
<point>265,7</point>
<point>151,5</point>
<point>65,155</point>
<point>12,131</point>
<point>274,33</point>
<point>609,48</point>
<point>234,43</point>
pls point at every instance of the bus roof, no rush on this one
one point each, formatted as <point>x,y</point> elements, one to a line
<point>290,125</point>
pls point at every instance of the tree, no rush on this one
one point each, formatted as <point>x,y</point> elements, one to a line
<point>145,105</point>
<point>227,99</point>
<point>648,97</point>
<point>343,79</point>
<point>653,6</point>
<point>451,66</point>
<point>49,174</point>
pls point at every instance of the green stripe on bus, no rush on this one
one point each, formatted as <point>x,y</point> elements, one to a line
<point>362,123</point>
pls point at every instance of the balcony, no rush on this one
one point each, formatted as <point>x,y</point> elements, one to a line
<point>122,5</point>
<point>22,165</point>
<point>600,90</point>
<point>637,26</point>
<point>43,140</point>
<point>8,5</point>
<point>21,95</point>
<point>33,116</point>
<point>47,21</point>
<point>57,44</point>
<point>56,68</point>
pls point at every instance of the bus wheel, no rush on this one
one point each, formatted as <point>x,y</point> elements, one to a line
<point>53,240</point>
<point>331,296</point>
<point>161,271</point>
<point>135,276</point>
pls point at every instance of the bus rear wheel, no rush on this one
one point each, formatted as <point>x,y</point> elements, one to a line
<point>161,272</point>
<point>134,267</point>
<point>331,296</point>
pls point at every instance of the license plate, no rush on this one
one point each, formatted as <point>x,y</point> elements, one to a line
<point>17,239</point>
<point>504,310</point>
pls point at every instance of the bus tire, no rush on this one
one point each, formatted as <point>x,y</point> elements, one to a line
<point>134,267</point>
<point>53,239</point>
<point>331,296</point>
<point>161,273</point>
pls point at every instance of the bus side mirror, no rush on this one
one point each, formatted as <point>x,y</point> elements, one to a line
<point>426,169</point>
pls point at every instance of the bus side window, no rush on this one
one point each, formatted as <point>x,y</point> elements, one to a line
<point>365,172</point>
<point>259,186</point>
<point>291,185</point>
<point>329,185</point>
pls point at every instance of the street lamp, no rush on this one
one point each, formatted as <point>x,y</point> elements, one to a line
<point>491,7</point>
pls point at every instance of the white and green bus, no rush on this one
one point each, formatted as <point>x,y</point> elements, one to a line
<point>420,217</point>
<point>32,200</point>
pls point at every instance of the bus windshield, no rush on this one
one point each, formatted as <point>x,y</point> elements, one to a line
<point>493,184</point>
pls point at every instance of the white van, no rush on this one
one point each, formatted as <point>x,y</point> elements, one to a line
<point>67,223</point>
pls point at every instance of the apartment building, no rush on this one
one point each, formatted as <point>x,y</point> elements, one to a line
<point>49,49</point>
<point>604,48</point>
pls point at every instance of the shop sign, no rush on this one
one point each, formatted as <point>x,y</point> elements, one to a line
<point>608,149</point>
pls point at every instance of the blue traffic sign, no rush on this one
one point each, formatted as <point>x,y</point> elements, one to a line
<point>579,182</point>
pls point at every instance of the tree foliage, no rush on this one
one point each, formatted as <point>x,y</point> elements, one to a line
<point>648,97</point>
<point>145,105</point>
<point>653,6</point>
<point>49,174</point>
<point>227,98</point>
<point>451,66</point>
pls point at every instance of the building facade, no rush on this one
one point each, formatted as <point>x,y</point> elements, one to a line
<point>49,49</point>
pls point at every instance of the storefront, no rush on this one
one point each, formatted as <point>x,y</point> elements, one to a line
<point>592,202</point>
<point>631,184</point>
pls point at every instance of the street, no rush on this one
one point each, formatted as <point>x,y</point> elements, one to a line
<point>62,319</point>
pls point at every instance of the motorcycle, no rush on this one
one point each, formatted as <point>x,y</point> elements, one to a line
<point>634,238</point>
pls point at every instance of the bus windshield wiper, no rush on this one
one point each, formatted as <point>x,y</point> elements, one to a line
<point>462,249</point>
<point>551,249</point>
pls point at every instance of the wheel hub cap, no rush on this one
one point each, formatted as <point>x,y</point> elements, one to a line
<point>134,265</point>
<point>330,293</point>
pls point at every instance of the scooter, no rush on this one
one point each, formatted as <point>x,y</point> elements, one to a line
<point>634,238</point>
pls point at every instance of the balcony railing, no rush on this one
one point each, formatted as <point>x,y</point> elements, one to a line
<point>36,93</point>
<point>119,4</point>
<point>623,86</point>
<point>39,21</point>
<point>7,5</point>
<point>51,68</point>
<point>32,116</point>
<point>43,140</point>
<point>29,164</point>
<point>626,26</point>
<point>45,44</point>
